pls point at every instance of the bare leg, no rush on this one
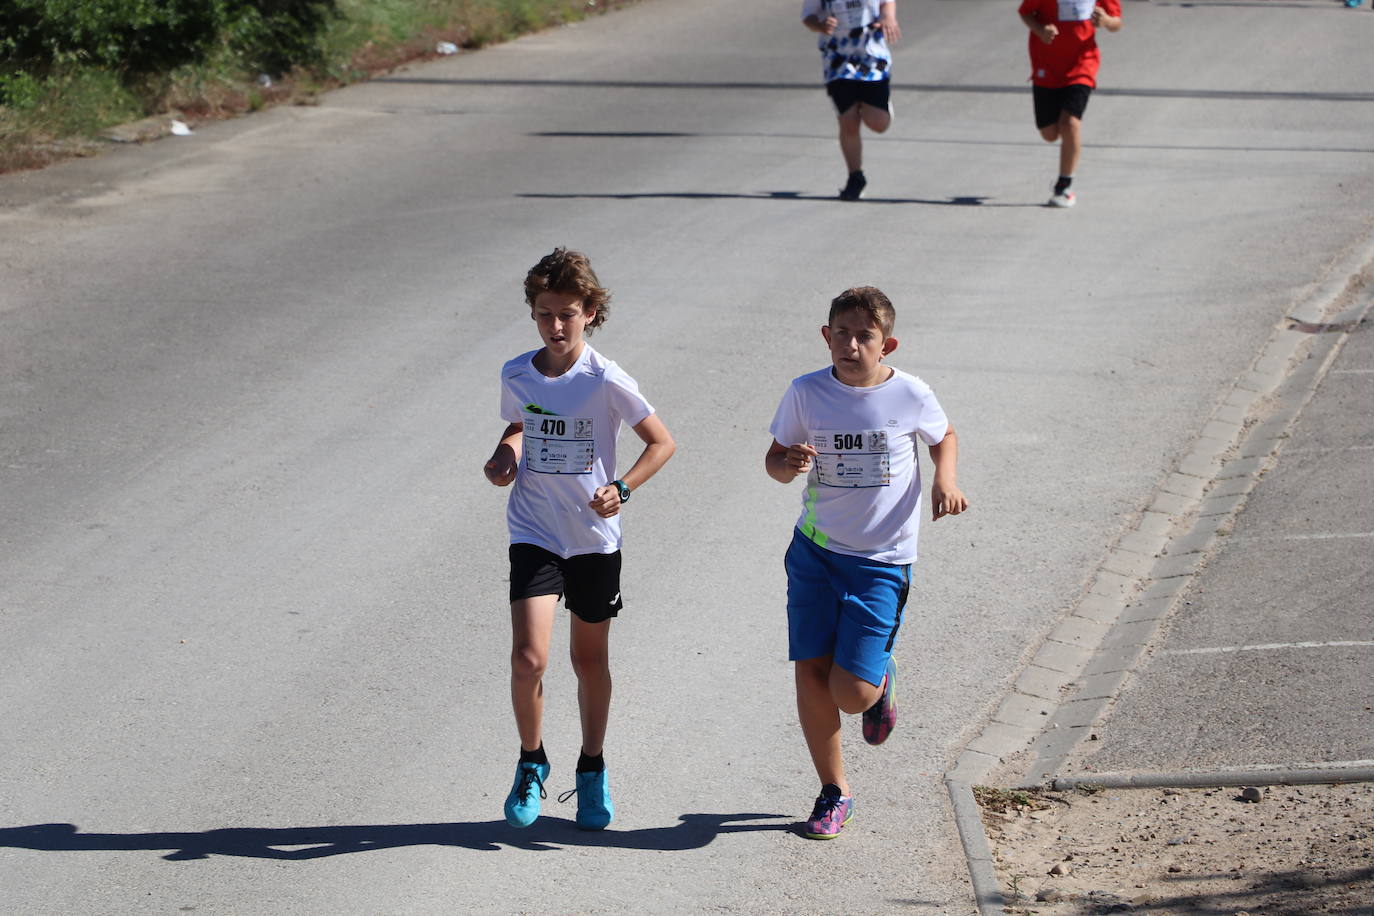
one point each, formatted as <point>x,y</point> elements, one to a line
<point>1070,132</point>
<point>531,631</point>
<point>820,720</point>
<point>851,693</point>
<point>851,143</point>
<point>877,120</point>
<point>590,652</point>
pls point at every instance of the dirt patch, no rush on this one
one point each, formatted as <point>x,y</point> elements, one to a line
<point>1295,850</point>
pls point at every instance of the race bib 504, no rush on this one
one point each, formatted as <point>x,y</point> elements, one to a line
<point>856,458</point>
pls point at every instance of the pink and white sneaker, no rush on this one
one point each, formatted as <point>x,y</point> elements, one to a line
<point>831,812</point>
<point>881,717</point>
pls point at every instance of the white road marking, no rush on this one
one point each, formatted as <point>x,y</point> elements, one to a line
<point>1329,448</point>
<point>1329,536</point>
<point>1263,647</point>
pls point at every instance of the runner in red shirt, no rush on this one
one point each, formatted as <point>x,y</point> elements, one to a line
<point>1064,59</point>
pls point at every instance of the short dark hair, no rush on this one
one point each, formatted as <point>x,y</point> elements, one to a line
<point>569,273</point>
<point>870,300</point>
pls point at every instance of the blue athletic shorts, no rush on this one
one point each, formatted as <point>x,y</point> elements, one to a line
<point>847,606</point>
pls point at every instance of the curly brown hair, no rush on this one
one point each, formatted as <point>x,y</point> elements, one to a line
<point>569,273</point>
<point>870,300</point>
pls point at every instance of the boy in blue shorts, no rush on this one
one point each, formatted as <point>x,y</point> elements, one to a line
<point>852,429</point>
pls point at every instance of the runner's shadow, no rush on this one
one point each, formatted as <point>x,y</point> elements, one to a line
<point>692,832</point>
<point>970,201</point>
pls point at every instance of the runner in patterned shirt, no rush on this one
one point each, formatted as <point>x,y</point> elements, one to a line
<point>853,38</point>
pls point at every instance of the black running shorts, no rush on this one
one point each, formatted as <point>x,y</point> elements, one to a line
<point>589,583</point>
<point>845,93</point>
<point>1049,103</point>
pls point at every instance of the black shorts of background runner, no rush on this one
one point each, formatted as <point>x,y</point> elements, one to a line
<point>845,93</point>
<point>589,583</point>
<point>1049,103</point>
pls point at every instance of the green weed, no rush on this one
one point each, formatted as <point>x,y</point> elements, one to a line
<point>995,799</point>
<point>59,90</point>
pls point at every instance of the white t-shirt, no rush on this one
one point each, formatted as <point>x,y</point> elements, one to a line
<point>863,493</point>
<point>571,423</point>
<point>857,50</point>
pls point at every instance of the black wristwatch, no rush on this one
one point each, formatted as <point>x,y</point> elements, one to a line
<point>624,490</point>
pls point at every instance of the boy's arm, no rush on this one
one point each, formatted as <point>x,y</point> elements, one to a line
<point>658,448</point>
<point>887,15</point>
<point>784,463</point>
<point>1045,33</point>
<point>945,496</point>
<point>825,26</point>
<point>1105,20</point>
<point>500,468</point>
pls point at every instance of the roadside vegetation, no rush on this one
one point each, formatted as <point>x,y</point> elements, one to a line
<point>72,69</point>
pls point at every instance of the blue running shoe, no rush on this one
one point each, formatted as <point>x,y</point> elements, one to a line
<point>594,808</point>
<point>522,805</point>
<point>831,812</point>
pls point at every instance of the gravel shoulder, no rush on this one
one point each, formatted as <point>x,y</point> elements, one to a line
<point>1296,850</point>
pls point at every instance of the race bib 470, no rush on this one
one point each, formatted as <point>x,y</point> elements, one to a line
<point>559,445</point>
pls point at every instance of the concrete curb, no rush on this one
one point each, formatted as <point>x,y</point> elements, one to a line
<point>987,893</point>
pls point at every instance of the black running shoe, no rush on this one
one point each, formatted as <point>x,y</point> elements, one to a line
<point>854,187</point>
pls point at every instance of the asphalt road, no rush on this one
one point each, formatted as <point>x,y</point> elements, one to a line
<point>252,581</point>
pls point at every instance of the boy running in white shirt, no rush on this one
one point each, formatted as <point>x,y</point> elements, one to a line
<point>852,429</point>
<point>853,41</point>
<point>564,404</point>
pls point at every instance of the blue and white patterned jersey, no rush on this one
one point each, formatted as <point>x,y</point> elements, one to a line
<point>858,49</point>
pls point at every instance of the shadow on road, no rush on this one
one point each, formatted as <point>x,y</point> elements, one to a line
<point>1280,95</point>
<point>692,832</point>
<point>776,195</point>
<point>1261,4</point>
<point>1036,143</point>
